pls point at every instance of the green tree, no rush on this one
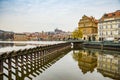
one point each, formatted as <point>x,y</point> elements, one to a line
<point>77,34</point>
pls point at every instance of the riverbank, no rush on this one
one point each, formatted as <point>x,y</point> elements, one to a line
<point>102,45</point>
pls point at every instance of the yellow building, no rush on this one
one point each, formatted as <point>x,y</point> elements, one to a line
<point>87,61</point>
<point>20,37</point>
<point>88,26</point>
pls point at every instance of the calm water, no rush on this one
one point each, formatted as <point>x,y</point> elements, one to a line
<point>81,64</point>
<point>85,64</point>
<point>16,45</point>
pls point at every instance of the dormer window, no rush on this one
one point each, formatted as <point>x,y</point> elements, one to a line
<point>113,14</point>
<point>105,15</point>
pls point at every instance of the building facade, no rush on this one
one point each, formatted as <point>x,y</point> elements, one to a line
<point>20,37</point>
<point>109,26</point>
<point>88,26</point>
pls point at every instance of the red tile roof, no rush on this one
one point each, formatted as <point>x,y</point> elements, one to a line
<point>115,14</point>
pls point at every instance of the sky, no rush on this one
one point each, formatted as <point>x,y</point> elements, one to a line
<point>47,15</point>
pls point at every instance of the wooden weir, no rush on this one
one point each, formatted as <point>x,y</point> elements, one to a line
<point>17,65</point>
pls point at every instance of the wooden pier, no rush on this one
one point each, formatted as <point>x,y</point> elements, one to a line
<point>17,65</point>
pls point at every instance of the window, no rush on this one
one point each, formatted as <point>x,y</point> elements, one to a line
<point>118,25</point>
<point>102,33</point>
<point>106,27</point>
<point>111,26</point>
<point>93,30</point>
<point>84,31</point>
<point>106,33</point>
<point>101,27</point>
<point>111,33</point>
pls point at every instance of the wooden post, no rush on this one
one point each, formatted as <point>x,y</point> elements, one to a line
<point>1,67</point>
<point>31,57</point>
<point>41,54</point>
<point>2,59</point>
<point>26,55</point>
<point>34,60</point>
<point>16,65</point>
<point>9,66</point>
<point>22,67</point>
<point>44,57</point>
<point>40,58</point>
<point>37,59</point>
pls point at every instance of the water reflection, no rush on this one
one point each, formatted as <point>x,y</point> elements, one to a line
<point>6,44</point>
<point>107,63</point>
<point>27,71</point>
<point>92,64</point>
<point>7,47</point>
<point>87,60</point>
<point>3,45</point>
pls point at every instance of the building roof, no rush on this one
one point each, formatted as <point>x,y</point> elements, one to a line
<point>19,34</point>
<point>115,14</point>
<point>90,18</point>
<point>93,19</point>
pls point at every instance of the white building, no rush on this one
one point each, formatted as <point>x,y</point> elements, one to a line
<point>109,26</point>
<point>109,65</point>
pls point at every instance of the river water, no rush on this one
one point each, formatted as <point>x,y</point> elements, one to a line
<point>80,64</point>
<point>85,64</point>
<point>7,46</point>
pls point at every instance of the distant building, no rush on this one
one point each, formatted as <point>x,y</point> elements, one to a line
<point>109,26</point>
<point>32,37</point>
<point>43,36</point>
<point>58,31</point>
<point>62,36</point>
<point>6,35</point>
<point>88,26</point>
<point>20,37</point>
<point>57,35</point>
<point>1,35</point>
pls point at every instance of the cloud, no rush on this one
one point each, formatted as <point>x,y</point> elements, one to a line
<point>19,15</point>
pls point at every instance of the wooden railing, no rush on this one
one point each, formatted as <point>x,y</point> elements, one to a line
<point>17,65</point>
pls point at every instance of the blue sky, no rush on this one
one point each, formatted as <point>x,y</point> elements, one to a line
<point>46,15</point>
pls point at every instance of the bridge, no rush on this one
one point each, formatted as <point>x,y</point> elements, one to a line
<point>76,43</point>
